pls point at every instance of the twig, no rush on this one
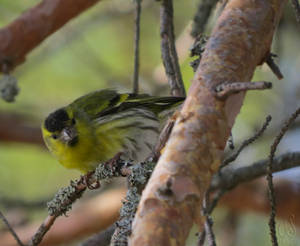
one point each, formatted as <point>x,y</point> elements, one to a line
<point>163,138</point>
<point>296,7</point>
<point>168,49</point>
<point>230,141</point>
<point>42,230</point>
<point>137,46</point>
<point>272,221</point>
<point>229,178</point>
<point>272,65</point>
<point>224,90</point>
<point>13,233</point>
<point>246,143</point>
<point>201,17</point>
<point>209,231</point>
<point>61,203</point>
<point>208,209</point>
<point>208,221</point>
<point>65,197</point>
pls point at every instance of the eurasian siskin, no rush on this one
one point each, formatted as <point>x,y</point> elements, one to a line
<point>98,126</point>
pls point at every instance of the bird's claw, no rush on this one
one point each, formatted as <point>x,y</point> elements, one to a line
<point>90,181</point>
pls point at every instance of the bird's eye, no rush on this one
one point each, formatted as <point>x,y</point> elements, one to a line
<point>73,121</point>
<point>54,136</point>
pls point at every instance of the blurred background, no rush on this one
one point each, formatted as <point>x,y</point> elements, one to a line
<point>95,51</point>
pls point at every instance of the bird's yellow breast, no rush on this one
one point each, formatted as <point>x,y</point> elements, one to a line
<point>93,147</point>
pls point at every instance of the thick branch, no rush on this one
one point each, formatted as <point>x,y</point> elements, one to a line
<point>172,200</point>
<point>33,26</point>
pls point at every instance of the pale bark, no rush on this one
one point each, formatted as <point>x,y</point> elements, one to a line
<point>172,200</point>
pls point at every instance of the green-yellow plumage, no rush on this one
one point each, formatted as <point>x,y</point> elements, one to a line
<point>96,127</point>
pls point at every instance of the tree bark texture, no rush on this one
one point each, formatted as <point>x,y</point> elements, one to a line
<point>33,26</point>
<point>172,200</point>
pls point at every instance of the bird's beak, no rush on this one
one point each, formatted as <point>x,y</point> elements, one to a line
<point>69,135</point>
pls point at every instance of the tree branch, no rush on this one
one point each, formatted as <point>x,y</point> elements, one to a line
<point>168,49</point>
<point>13,233</point>
<point>229,178</point>
<point>195,149</point>
<point>27,31</point>
<point>88,217</point>
<point>137,21</point>
<point>14,129</point>
<point>203,12</point>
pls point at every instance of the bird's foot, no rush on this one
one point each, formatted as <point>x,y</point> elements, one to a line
<point>113,162</point>
<point>90,181</point>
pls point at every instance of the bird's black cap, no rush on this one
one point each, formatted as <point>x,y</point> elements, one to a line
<point>56,121</point>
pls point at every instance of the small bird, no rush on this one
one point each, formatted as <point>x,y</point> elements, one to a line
<point>103,124</point>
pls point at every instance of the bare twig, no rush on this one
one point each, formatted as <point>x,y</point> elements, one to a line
<point>246,143</point>
<point>168,49</point>
<point>163,138</point>
<point>228,179</point>
<point>272,65</point>
<point>296,7</point>
<point>224,90</point>
<point>204,10</point>
<point>272,221</point>
<point>209,231</point>
<point>208,221</point>
<point>13,233</point>
<point>208,209</point>
<point>137,46</point>
<point>201,238</point>
<point>230,141</point>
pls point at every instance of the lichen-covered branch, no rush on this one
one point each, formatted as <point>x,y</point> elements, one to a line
<point>27,31</point>
<point>171,202</point>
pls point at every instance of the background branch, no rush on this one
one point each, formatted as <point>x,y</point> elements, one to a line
<point>14,128</point>
<point>168,49</point>
<point>137,21</point>
<point>229,178</point>
<point>27,31</point>
<point>201,17</point>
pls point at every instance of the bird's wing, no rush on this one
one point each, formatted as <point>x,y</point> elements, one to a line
<point>94,103</point>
